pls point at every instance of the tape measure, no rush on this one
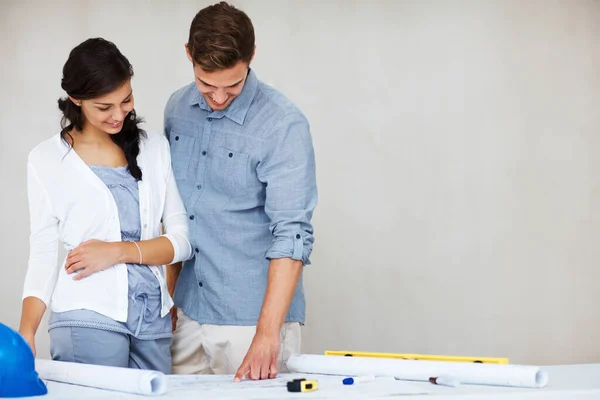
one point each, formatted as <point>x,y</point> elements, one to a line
<point>302,385</point>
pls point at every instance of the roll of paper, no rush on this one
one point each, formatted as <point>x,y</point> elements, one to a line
<point>145,382</point>
<point>420,370</point>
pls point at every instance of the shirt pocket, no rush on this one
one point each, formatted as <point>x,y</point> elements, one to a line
<point>182,156</point>
<point>182,148</point>
<point>228,170</point>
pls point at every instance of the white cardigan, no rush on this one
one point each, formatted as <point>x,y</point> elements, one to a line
<point>70,204</point>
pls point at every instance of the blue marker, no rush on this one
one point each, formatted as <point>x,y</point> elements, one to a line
<point>358,379</point>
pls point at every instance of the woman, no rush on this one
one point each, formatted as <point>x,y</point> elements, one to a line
<point>106,190</point>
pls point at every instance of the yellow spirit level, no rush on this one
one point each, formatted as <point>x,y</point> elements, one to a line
<point>484,360</point>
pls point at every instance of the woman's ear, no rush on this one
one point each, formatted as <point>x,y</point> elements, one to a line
<point>75,101</point>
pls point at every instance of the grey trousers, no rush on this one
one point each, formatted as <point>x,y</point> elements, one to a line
<point>115,349</point>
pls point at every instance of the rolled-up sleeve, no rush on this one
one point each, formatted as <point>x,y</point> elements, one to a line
<point>42,270</point>
<point>288,170</point>
<point>174,213</point>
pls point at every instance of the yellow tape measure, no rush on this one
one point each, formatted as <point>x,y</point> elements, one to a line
<point>302,385</point>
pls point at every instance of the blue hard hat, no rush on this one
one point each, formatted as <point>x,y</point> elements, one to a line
<point>18,377</point>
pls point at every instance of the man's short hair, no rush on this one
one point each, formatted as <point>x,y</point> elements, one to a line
<point>220,37</point>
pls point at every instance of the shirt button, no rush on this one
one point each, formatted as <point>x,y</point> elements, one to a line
<point>176,137</point>
<point>200,284</point>
<point>198,187</point>
<point>203,152</point>
<point>230,155</point>
<point>298,236</point>
<point>197,250</point>
<point>145,225</point>
<point>192,217</point>
<point>209,119</point>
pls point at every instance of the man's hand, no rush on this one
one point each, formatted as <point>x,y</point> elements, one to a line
<point>261,360</point>
<point>90,257</point>
<point>173,272</point>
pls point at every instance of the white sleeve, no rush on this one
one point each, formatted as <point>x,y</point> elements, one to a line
<point>42,269</point>
<point>174,216</point>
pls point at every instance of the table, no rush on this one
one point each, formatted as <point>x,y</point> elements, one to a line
<point>565,382</point>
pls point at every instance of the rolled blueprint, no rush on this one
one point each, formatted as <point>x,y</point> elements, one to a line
<point>421,370</point>
<point>149,383</point>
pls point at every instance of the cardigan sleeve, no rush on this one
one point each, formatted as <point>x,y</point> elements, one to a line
<point>174,214</point>
<point>42,270</point>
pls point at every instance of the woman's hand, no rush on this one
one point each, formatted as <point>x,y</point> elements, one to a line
<point>90,257</point>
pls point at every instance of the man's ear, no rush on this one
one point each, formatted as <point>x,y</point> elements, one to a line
<point>187,52</point>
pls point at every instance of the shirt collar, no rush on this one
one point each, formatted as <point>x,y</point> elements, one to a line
<point>238,108</point>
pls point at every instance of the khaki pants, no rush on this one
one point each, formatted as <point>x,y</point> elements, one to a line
<point>220,349</point>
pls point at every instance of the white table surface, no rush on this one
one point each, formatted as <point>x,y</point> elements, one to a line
<point>565,382</point>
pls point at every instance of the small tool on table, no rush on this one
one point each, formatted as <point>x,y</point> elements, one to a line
<point>302,385</point>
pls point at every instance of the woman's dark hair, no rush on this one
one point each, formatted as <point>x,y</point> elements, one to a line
<point>95,68</point>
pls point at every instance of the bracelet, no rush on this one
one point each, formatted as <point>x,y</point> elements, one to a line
<point>139,251</point>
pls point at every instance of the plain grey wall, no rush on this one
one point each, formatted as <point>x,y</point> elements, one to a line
<point>457,152</point>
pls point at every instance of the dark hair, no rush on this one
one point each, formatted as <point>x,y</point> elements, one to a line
<point>95,68</point>
<point>220,37</point>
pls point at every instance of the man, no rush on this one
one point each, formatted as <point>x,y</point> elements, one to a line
<point>243,159</point>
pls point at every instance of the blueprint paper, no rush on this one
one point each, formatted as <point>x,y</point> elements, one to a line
<point>208,387</point>
<point>420,370</point>
<point>145,382</point>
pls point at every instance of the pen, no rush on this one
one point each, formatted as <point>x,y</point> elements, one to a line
<point>444,381</point>
<point>358,379</point>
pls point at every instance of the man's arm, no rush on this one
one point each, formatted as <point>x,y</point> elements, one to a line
<point>288,170</point>
<point>284,274</point>
<point>172,273</point>
<point>261,360</point>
